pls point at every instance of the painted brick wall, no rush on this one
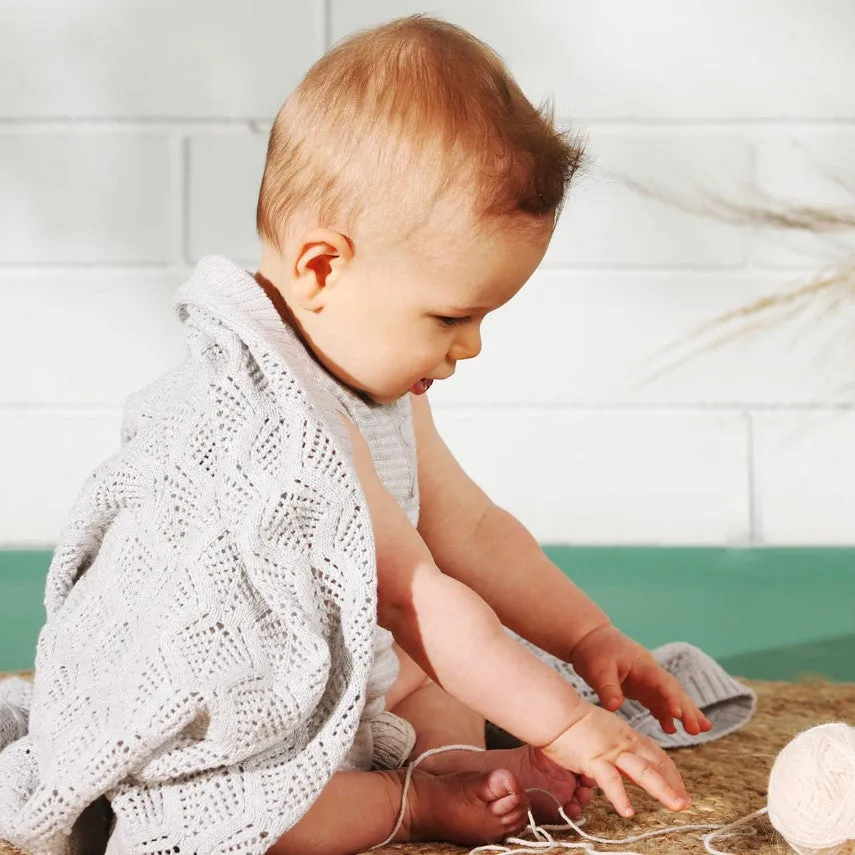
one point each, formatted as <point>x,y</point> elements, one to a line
<point>131,143</point>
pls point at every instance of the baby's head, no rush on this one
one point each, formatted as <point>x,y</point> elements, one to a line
<point>410,188</point>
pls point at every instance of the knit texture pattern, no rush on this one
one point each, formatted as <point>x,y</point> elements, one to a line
<point>211,605</point>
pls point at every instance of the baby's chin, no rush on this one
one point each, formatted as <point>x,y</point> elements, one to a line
<point>420,387</point>
<point>379,398</point>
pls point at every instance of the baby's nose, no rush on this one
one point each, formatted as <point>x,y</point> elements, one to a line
<point>467,345</point>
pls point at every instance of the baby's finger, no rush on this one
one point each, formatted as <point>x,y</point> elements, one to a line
<point>610,782</point>
<point>664,766</point>
<point>667,724</point>
<point>697,720</point>
<point>661,710</point>
<point>658,690</point>
<point>694,721</point>
<point>608,689</point>
<point>654,779</point>
<point>604,679</point>
<point>674,695</point>
<point>679,705</point>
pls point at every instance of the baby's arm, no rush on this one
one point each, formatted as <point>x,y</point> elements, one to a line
<point>451,633</point>
<point>489,550</point>
<point>459,641</point>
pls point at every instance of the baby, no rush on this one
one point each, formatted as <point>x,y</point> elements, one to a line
<point>410,190</point>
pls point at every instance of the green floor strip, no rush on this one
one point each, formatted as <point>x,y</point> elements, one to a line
<point>833,659</point>
<point>764,613</point>
<point>730,602</point>
<point>22,584</point>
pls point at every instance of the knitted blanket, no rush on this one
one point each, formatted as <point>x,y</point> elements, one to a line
<point>211,604</point>
<point>211,608</point>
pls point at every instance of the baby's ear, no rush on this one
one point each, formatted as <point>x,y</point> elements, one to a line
<point>321,255</point>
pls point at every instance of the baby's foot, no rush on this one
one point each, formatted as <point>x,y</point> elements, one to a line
<point>535,769</point>
<point>470,808</point>
<point>531,768</point>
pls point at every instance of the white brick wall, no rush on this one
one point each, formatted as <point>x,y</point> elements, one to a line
<point>134,145</point>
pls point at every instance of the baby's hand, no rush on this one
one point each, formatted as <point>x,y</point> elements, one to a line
<point>614,665</point>
<point>602,746</point>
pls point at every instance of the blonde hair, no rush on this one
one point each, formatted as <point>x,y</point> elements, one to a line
<point>391,119</point>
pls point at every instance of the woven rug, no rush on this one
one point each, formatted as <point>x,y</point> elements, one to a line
<point>727,779</point>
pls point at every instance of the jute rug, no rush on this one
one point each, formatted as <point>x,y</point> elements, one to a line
<point>727,779</point>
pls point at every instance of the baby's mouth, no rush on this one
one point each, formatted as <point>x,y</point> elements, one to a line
<point>422,386</point>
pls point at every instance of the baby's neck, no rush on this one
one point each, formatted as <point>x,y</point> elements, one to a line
<point>289,319</point>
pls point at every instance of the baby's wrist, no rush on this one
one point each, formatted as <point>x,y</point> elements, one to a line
<point>574,715</point>
<point>586,634</point>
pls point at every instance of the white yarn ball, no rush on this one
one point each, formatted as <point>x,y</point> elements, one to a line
<point>812,791</point>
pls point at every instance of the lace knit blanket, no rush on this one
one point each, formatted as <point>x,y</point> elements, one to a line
<point>211,610</point>
<point>211,604</point>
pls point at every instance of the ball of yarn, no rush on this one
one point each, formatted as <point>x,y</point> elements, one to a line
<point>812,791</point>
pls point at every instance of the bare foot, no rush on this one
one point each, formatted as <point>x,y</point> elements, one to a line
<point>532,769</point>
<point>470,808</point>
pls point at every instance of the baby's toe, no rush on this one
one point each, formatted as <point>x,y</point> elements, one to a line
<point>507,805</point>
<point>583,796</point>
<point>573,810</point>
<point>497,785</point>
<point>514,822</point>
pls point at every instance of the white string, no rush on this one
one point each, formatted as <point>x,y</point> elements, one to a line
<point>727,831</point>
<point>545,842</point>
<point>521,845</point>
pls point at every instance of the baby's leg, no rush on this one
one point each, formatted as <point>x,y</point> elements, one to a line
<point>357,810</point>
<point>440,719</point>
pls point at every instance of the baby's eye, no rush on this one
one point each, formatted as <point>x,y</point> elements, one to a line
<point>453,322</point>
